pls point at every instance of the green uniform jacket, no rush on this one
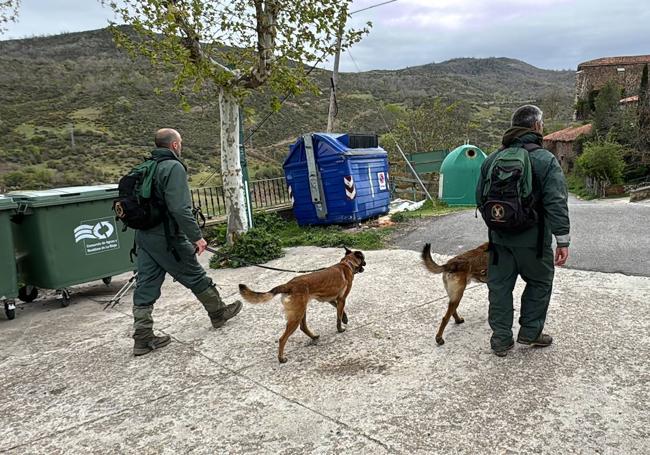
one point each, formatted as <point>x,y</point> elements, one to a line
<point>170,185</point>
<point>554,196</point>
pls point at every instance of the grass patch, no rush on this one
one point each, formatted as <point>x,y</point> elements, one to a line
<point>577,186</point>
<point>89,113</point>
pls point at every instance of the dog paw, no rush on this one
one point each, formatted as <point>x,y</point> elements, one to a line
<point>282,359</point>
<point>460,320</point>
<point>344,319</point>
<point>440,341</point>
<point>340,329</point>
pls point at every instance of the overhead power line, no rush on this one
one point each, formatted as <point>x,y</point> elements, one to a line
<point>372,6</point>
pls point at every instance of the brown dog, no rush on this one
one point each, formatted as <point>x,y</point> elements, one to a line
<point>457,273</point>
<point>332,285</point>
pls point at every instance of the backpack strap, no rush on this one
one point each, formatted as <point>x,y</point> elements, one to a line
<point>537,184</point>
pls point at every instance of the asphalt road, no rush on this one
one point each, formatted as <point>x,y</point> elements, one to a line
<point>607,235</point>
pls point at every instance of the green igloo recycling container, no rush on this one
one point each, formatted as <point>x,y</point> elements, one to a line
<point>69,236</point>
<point>459,174</point>
<point>8,276</point>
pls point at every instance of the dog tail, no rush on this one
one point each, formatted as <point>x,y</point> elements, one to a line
<point>429,262</point>
<point>261,297</point>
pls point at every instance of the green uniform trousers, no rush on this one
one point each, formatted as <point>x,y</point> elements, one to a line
<point>538,275</point>
<point>154,260</point>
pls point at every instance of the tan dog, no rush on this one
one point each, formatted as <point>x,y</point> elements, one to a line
<point>457,273</point>
<point>332,285</point>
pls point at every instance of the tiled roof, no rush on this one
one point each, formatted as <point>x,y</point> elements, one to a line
<point>608,61</point>
<point>569,134</point>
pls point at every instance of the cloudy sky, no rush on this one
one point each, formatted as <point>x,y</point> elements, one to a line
<point>553,34</point>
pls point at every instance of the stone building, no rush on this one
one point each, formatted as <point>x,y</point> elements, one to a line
<point>561,144</point>
<point>594,74</point>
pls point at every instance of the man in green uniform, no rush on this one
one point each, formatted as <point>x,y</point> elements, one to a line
<point>524,253</point>
<point>171,247</point>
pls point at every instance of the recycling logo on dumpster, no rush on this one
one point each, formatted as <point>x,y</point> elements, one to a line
<point>97,236</point>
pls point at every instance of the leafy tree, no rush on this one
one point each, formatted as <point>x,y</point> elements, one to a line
<point>433,126</point>
<point>8,12</point>
<point>602,160</point>
<point>232,48</point>
<point>607,108</point>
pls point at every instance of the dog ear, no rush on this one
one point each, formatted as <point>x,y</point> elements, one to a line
<point>347,250</point>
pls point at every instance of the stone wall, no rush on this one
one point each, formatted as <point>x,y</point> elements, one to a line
<point>564,153</point>
<point>640,194</point>
<point>593,78</point>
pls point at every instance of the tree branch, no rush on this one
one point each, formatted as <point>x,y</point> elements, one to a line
<point>266,14</point>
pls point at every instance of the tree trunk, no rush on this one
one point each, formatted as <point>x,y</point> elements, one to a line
<point>233,185</point>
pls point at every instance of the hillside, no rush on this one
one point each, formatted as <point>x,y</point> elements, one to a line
<point>81,81</point>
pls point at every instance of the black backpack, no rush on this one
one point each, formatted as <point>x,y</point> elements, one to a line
<point>508,202</point>
<point>136,206</point>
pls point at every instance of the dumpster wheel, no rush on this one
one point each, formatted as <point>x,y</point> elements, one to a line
<point>107,280</point>
<point>10,309</point>
<point>65,297</point>
<point>28,293</point>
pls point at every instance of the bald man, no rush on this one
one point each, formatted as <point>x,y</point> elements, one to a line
<point>171,247</point>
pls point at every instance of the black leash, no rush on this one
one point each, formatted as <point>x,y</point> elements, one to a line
<point>215,252</point>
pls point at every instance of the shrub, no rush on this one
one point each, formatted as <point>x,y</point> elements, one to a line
<point>216,235</point>
<point>269,221</point>
<point>398,217</point>
<point>602,161</point>
<point>253,247</point>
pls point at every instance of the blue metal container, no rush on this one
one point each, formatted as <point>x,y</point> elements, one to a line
<point>337,178</point>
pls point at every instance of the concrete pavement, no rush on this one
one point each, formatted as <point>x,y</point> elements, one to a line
<point>71,385</point>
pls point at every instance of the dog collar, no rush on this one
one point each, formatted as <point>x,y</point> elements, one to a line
<point>346,262</point>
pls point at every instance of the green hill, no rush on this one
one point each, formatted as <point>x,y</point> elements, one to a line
<point>80,82</point>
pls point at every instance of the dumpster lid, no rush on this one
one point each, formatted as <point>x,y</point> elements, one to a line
<point>60,196</point>
<point>332,145</point>
<point>6,203</point>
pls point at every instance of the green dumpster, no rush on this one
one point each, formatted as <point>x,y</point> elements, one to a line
<point>8,278</point>
<point>68,236</point>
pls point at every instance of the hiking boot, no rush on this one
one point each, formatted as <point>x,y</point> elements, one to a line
<point>144,346</point>
<point>541,341</point>
<point>230,311</point>
<point>218,311</point>
<point>502,352</point>
<point>144,339</point>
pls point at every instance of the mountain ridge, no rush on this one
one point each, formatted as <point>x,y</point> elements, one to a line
<point>82,81</point>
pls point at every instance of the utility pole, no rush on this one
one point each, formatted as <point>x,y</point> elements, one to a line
<point>337,57</point>
<point>335,74</point>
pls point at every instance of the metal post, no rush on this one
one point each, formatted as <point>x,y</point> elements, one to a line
<point>244,170</point>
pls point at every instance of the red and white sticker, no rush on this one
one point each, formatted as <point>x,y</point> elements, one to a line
<point>350,189</point>
<point>381,178</point>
